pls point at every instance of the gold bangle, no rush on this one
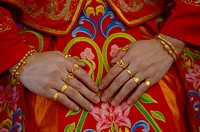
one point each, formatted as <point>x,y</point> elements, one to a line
<point>17,70</point>
<point>167,47</point>
<point>168,43</point>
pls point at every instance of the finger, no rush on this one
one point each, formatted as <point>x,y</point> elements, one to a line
<point>123,93</point>
<point>91,96</point>
<point>117,57</point>
<point>115,85</point>
<point>121,52</point>
<point>139,91</point>
<point>84,78</point>
<point>111,75</point>
<point>78,98</point>
<point>63,99</point>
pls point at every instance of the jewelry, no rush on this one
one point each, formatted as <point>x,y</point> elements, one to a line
<point>75,66</point>
<point>136,80</point>
<point>147,82</point>
<point>129,72</point>
<point>64,87</point>
<point>67,55</point>
<point>125,48</point>
<point>120,63</point>
<point>17,70</point>
<point>168,47</point>
<point>70,76</point>
<point>55,96</point>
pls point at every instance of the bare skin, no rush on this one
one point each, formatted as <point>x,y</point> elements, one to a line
<point>147,60</point>
<point>45,73</point>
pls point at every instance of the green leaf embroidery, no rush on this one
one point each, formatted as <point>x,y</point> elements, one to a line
<point>158,115</point>
<point>70,127</point>
<point>146,98</point>
<point>70,112</point>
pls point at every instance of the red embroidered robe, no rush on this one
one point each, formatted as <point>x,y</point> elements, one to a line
<point>161,108</point>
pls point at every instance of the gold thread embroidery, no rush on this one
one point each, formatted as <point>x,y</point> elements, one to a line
<point>8,24</point>
<point>141,19</point>
<point>192,2</point>
<point>135,5</point>
<point>54,31</point>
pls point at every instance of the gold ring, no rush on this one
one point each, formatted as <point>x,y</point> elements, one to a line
<point>125,48</point>
<point>129,72</point>
<point>75,66</point>
<point>64,87</point>
<point>120,63</point>
<point>70,76</point>
<point>67,55</point>
<point>55,96</point>
<point>136,80</point>
<point>147,82</point>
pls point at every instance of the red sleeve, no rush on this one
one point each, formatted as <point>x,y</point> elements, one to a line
<point>184,24</point>
<point>12,48</point>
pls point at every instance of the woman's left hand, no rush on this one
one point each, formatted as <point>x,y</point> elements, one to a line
<point>143,65</point>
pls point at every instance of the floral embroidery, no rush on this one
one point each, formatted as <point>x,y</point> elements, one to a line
<point>114,50</point>
<point>4,130</point>
<point>9,96</point>
<point>193,76</point>
<point>87,54</point>
<point>108,117</point>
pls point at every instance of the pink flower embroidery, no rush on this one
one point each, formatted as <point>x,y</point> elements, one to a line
<point>9,95</point>
<point>4,130</point>
<point>87,54</point>
<point>107,115</point>
<point>193,76</point>
<point>114,50</point>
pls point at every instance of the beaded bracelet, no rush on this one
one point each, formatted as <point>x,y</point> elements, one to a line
<point>168,47</point>
<point>17,70</point>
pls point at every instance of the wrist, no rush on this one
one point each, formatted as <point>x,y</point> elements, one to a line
<point>17,68</point>
<point>176,43</point>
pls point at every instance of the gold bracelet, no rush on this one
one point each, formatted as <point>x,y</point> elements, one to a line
<point>168,43</point>
<point>20,65</point>
<point>167,47</point>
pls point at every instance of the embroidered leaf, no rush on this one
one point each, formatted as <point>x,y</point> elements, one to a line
<point>7,123</point>
<point>146,98</point>
<point>70,112</point>
<point>70,127</point>
<point>158,115</point>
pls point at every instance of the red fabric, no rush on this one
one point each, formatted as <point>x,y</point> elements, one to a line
<point>136,12</point>
<point>184,24</point>
<point>12,48</point>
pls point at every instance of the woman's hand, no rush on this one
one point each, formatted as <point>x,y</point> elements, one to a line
<point>48,72</point>
<point>143,65</point>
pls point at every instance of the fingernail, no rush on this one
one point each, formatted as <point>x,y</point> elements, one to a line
<point>113,103</point>
<point>104,98</point>
<point>97,99</point>
<point>101,86</point>
<point>129,102</point>
<point>96,89</point>
<point>76,108</point>
<point>90,107</point>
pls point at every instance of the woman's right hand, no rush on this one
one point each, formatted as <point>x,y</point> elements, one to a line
<point>46,73</point>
